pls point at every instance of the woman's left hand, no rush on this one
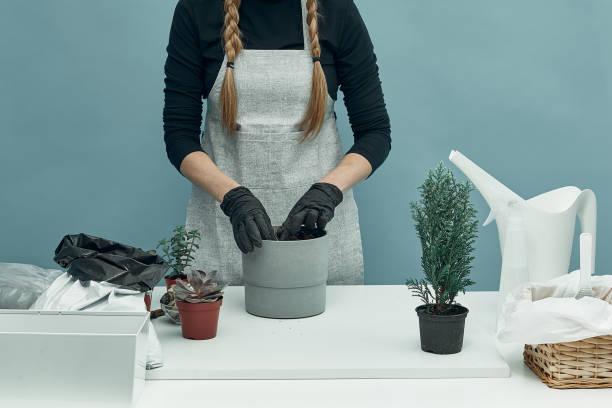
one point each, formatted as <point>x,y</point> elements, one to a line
<point>314,210</point>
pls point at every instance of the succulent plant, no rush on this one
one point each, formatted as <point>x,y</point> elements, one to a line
<point>201,287</point>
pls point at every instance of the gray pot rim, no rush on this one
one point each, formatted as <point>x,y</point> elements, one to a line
<point>441,318</point>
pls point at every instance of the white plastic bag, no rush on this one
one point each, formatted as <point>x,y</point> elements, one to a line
<point>69,294</point>
<point>22,284</point>
<point>549,312</point>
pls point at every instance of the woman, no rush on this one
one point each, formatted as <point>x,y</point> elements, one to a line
<point>270,151</point>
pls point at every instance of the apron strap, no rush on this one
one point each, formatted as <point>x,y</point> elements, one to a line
<point>305,29</point>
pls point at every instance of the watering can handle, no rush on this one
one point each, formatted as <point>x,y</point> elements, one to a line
<point>587,214</point>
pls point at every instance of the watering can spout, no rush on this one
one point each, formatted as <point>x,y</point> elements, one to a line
<point>497,195</point>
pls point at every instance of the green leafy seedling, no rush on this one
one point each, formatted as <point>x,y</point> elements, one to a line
<point>178,250</point>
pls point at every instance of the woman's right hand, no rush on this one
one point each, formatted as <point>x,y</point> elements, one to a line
<point>250,221</point>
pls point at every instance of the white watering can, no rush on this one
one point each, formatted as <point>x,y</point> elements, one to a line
<point>537,234</point>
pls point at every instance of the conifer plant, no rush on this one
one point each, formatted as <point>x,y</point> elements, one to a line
<point>446,224</point>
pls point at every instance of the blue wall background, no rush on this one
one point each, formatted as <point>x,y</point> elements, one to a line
<point>523,88</point>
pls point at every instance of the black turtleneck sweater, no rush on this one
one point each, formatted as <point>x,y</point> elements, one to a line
<point>195,55</point>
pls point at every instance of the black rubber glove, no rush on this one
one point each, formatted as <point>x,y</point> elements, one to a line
<point>314,210</point>
<point>249,219</point>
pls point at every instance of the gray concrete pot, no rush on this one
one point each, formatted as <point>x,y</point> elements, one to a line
<point>286,279</point>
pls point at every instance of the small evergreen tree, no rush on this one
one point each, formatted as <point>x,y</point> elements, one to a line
<point>446,225</point>
<point>178,250</point>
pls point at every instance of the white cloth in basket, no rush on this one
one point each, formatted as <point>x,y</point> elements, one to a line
<point>536,313</point>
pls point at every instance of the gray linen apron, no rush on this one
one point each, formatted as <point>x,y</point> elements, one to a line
<point>264,155</point>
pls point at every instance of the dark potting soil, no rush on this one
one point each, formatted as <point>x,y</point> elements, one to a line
<point>304,234</point>
<point>156,313</point>
<point>300,237</point>
<point>176,276</point>
<point>451,311</point>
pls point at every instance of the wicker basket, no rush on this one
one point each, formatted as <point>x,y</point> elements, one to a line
<point>580,364</point>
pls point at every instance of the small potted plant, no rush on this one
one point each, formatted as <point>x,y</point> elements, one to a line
<point>447,227</point>
<point>178,252</point>
<point>198,302</point>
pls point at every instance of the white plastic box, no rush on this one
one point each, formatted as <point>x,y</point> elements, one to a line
<point>76,358</point>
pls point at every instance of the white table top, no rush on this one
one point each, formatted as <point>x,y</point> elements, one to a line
<point>365,332</point>
<point>521,389</point>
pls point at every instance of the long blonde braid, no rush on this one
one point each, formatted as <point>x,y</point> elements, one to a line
<point>315,113</point>
<point>233,45</point>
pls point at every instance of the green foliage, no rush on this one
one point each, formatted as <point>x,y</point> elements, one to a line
<point>178,250</point>
<point>446,225</point>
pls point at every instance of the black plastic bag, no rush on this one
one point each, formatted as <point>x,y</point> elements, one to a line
<point>91,258</point>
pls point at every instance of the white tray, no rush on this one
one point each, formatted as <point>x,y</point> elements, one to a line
<point>366,332</point>
<point>73,357</point>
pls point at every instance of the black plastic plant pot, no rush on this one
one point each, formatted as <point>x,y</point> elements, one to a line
<point>442,334</point>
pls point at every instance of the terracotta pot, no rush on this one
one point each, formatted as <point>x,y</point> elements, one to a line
<point>170,282</point>
<point>147,300</point>
<point>199,320</point>
<point>442,334</point>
